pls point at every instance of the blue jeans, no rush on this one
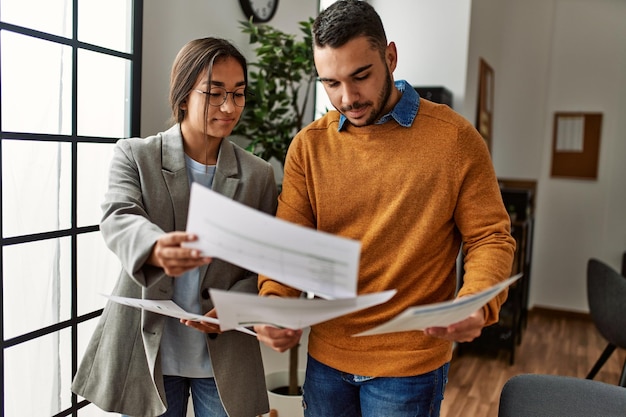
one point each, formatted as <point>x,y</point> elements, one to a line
<point>328,392</point>
<point>206,401</point>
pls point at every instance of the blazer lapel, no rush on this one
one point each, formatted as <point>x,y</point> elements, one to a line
<point>175,174</point>
<point>226,178</point>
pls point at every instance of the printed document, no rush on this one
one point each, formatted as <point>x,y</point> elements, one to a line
<point>301,257</point>
<point>237,309</point>
<point>168,308</point>
<point>440,314</point>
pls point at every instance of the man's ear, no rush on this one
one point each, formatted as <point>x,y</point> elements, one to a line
<point>391,56</point>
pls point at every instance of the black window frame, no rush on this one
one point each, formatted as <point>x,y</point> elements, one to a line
<point>134,57</point>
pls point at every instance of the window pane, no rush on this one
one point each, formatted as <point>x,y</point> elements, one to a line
<point>93,173</point>
<point>38,375</point>
<point>35,186</point>
<point>51,16</point>
<point>103,95</point>
<point>36,85</point>
<point>36,286</point>
<point>98,269</point>
<point>106,23</point>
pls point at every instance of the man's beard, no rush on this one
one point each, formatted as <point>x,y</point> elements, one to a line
<point>378,112</point>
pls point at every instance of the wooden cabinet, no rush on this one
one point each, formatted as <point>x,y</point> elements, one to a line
<point>507,333</point>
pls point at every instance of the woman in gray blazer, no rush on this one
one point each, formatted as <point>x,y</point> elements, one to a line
<point>144,364</point>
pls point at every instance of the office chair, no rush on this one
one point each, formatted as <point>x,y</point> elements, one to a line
<point>534,395</point>
<point>606,293</point>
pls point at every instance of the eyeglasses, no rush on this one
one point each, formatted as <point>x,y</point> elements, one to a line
<point>218,96</point>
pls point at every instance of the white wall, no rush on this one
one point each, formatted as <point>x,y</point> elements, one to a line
<point>547,55</point>
<point>560,55</point>
<point>582,219</point>
<point>432,40</point>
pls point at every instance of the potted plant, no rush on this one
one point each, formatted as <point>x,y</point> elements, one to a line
<point>280,82</point>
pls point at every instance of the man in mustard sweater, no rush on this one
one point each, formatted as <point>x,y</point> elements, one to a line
<point>412,181</point>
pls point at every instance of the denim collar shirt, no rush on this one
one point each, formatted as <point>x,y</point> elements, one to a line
<point>404,111</point>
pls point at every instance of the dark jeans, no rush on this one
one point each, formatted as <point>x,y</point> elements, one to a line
<point>206,401</point>
<point>328,392</point>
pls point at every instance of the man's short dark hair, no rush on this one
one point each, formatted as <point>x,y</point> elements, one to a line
<point>346,20</point>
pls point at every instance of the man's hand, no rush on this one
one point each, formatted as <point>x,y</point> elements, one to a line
<point>203,326</point>
<point>169,254</point>
<point>280,340</point>
<point>463,331</point>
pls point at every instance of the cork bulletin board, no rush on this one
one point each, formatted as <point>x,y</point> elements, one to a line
<point>576,144</point>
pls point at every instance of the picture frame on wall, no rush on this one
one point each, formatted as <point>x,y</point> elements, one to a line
<point>484,109</point>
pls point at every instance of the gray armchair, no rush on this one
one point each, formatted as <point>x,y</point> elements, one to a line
<point>606,293</point>
<point>533,395</point>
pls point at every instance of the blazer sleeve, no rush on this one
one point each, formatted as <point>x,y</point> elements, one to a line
<point>126,226</point>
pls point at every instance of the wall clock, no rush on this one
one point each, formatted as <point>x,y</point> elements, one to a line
<point>260,10</point>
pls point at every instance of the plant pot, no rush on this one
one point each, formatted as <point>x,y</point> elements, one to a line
<point>285,405</point>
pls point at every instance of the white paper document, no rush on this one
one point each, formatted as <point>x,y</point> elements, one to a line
<point>241,309</point>
<point>300,257</point>
<point>439,314</point>
<point>169,308</point>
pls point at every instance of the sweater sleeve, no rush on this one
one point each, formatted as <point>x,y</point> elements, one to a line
<point>293,206</point>
<point>483,221</point>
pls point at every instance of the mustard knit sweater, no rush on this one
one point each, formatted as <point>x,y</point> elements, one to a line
<point>411,196</point>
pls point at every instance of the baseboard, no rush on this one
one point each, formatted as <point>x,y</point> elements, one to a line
<point>552,312</point>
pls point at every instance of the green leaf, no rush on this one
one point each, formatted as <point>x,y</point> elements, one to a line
<point>283,70</point>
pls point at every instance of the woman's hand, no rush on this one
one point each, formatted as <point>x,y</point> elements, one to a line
<point>204,326</point>
<point>169,254</point>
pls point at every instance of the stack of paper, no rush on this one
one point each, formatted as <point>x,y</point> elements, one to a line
<point>300,257</point>
<point>440,314</point>
<point>303,258</point>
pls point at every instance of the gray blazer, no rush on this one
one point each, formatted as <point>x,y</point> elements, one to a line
<point>148,195</point>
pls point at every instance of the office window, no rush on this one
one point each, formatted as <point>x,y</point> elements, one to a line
<point>322,102</point>
<point>70,72</point>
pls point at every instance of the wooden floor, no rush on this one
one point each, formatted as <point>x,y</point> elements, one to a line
<point>552,343</point>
